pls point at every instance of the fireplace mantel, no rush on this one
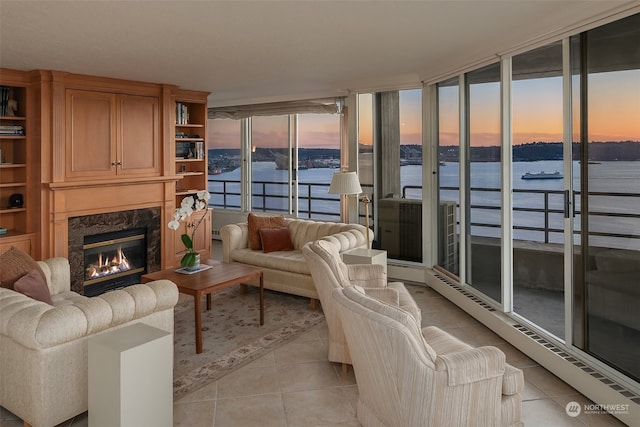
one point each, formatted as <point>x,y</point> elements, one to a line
<point>55,186</point>
<point>68,200</point>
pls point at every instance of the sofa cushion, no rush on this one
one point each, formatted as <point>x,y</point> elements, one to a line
<point>291,261</point>
<point>33,285</point>
<point>275,239</point>
<point>256,222</point>
<point>14,264</point>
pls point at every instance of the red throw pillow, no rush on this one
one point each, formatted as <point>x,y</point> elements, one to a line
<point>257,222</point>
<point>33,285</point>
<point>276,239</point>
<point>14,264</point>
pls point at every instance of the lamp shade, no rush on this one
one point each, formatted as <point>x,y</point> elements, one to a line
<point>345,183</point>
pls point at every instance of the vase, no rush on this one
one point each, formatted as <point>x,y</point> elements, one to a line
<point>196,264</point>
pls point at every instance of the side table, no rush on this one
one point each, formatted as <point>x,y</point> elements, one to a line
<point>366,256</point>
<point>131,377</point>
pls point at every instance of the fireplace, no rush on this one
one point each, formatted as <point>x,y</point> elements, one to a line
<point>113,260</point>
<point>112,250</point>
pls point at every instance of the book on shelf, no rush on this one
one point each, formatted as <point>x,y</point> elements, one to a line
<point>182,114</point>
<point>11,130</point>
<point>4,100</point>
<point>190,150</point>
<point>199,154</point>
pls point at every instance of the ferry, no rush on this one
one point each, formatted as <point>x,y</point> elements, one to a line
<point>542,175</point>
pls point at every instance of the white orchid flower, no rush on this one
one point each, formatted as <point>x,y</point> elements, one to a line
<point>204,195</point>
<point>185,211</point>
<point>188,206</point>
<point>187,202</point>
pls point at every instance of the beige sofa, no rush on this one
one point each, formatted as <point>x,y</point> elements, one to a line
<point>43,348</point>
<point>287,271</point>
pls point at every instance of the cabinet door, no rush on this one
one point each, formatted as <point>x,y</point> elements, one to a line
<point>139,143</point>
<point>202,238</point>
<point>23,242</point>
<point>90,132</point>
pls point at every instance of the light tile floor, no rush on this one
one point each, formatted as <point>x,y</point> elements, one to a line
<point>295,386</point>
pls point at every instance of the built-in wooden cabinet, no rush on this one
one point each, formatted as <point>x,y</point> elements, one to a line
<point>87,144</point>
<point>190,140</point>
<point>24,242</point>
<point>111,135</point>
<point>17,173</point>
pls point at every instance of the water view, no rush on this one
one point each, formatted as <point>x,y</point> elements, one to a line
<point>605,177</point>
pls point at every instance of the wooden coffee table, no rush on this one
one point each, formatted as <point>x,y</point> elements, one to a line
<point>216,278</point>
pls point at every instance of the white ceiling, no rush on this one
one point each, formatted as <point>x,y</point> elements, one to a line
<point>263,51</point>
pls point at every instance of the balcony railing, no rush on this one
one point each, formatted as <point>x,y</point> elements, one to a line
<point>312,203</point>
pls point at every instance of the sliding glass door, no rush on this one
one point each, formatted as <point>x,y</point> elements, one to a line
<point>483,185</point>
<point>608,270</point>
<point>571,266</point>
<point>537,182</point>
<point>449,175</point>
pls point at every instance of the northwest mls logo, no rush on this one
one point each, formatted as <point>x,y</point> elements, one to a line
<point>573,409</point>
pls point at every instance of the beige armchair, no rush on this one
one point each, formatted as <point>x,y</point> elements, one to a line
<point>412,377</point>
<point>44,348</point>
<point>329,272</point>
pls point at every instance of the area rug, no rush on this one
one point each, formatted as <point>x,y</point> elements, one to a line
<point>231,333</point>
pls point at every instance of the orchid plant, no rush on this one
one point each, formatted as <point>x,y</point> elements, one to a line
<point>188,206</point>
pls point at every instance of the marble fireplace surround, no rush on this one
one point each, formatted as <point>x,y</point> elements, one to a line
<point>81,226</point>
<point>107,202</point>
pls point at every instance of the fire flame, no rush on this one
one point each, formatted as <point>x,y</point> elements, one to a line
<point>105,266</point>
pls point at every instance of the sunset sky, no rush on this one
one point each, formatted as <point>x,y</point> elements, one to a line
<point>614,115</point>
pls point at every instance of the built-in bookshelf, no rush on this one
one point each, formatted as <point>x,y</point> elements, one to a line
<point>16,228</point>
<point>190,145</point>
<point>191,163</point>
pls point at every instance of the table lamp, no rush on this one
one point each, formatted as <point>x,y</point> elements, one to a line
<point>347,183</point>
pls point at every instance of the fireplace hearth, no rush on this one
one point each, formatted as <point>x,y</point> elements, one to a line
<point>112,250</point>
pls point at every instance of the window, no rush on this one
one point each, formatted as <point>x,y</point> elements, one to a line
<point>483,182</point>
<point>224,163</point>
<point>292,159</point>
<point>574,202</point>
<point>449,175</point>
<point>390,134</point>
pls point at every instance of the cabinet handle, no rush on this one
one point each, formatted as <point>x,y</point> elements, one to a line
<point>114,163</point>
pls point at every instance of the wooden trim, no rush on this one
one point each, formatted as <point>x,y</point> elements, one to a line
<point>106,84</point>
<point>112,183</point>
<point>185,95</point>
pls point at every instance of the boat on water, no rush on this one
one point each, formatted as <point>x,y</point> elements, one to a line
<point>542,175</point>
